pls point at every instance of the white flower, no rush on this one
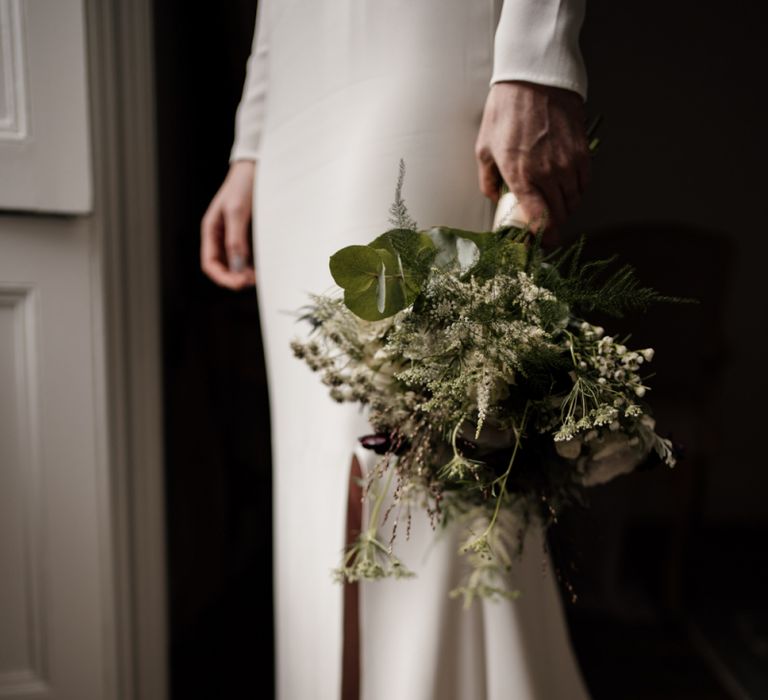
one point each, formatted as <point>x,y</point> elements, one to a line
<point>648,354</point>
<point>566,432</point>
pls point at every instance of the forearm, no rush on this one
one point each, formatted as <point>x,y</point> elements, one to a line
<point>249,119</point>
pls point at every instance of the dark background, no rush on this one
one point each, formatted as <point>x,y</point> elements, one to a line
<point>669,565</point>
<point>216,413</point>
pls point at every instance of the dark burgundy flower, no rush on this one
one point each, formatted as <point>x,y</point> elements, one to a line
<point>379,443</point>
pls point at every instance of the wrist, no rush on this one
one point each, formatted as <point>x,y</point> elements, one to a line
<point>553,91</point>
<point>242,164</point>
<point>244,169</point>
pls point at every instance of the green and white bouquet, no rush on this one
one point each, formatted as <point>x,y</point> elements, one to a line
<point>492,401</point>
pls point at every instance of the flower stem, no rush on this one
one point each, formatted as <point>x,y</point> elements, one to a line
<point>503,478</point>
<point>378,503</point>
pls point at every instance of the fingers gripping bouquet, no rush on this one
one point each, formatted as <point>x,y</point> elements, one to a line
<point>493,402</point>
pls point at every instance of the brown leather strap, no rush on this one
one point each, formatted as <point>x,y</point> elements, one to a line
<point>350,675</point>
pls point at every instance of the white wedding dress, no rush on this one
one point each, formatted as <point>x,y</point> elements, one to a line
<point>337,92</point>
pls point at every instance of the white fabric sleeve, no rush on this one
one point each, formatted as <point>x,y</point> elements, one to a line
<point>249,117</point>
<point>538,41</point>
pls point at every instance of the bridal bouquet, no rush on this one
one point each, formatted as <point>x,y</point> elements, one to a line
<point>492,400</point>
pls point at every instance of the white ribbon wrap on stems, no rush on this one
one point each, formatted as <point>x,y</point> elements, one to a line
<point>509,212</point>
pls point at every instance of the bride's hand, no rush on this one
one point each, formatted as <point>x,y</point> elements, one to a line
<point>534,138</point>
<point>225,233</point>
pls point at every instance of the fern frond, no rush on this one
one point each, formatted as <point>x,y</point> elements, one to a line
<point>586,288</point>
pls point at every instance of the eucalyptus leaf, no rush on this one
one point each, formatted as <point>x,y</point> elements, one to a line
<point>391,294</point>
<point>372,281</point>
<point>355,268</point>
<point>414,252</point>
<point>481,239</point>
<point>467,252</point>
<point>415,249</point>
<point>455,246</point>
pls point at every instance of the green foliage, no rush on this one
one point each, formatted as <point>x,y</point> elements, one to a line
<point>483,253</point>
<point>356,267</point>
<point>455,247</point>
<point>385,276</point>
<point>503,253</point>
<point>589,287</point>
<point>480,238</point>
<point>373,281</point>
<point>415,251</point>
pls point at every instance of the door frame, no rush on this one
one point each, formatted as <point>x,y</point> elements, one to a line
<point>127,320</point>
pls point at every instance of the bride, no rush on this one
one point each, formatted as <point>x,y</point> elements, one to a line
<point>337,92</point>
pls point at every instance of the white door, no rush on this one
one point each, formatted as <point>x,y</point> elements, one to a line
<point>69,580</point>
<point>52,578</point>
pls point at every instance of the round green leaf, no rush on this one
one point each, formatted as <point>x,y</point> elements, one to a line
<point>355,268</point>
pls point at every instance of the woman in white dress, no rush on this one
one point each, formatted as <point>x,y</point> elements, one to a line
<point>337,91</point>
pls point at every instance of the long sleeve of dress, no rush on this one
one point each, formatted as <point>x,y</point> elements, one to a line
<point>249,118</point>
<point>538,41</point>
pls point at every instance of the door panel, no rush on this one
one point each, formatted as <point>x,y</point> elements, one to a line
<point>22,663</point>
<point>54,618</point>
<point>44,146</point>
